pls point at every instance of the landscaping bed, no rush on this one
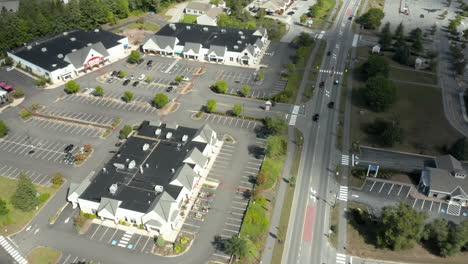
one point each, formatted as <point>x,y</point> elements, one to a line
<point>183,242</point>
<point>42,255</point>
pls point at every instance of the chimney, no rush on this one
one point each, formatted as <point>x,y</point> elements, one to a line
<point>44,49</point>
<point>113,188</point>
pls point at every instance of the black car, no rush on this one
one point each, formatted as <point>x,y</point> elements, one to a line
<point>114,73</point>
<point>290,13</point>
<point>150,62</point>
<point>350,18</point>
<point>149,67</point>
<point>140,61</point>
<point>169,89</point>
<point>126,82</point>
<point>118,74</point>
<point>174,83</point>
<point>135,84</point>
<point>315,117</point>
<point>322,84</point>
<point>331,104</point>
<point>68,148</point>
<point>329,53</point>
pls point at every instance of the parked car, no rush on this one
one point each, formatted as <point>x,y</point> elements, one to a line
<point>118,73</point>
<point>149,67</point>
<point>110,79</point>
<point>150,62</point>
<point>185,79</point>
<point>8,88</point>
<point>114,73</point>
<point>322,84</point>
<point>331,104</point>
<point>3,83</point>
<point>135,84</point>
<point>141,77</point>
<point>350,18</point>
<point>169,89</point>
<point>290,13</point>
<point>132,77</point>
<point>174,83</point>
<point>337,82</point>
<point>126,82</point>
<point>68,148</point>
<point>315,117</point>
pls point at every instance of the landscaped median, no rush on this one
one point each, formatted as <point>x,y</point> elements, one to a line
<point>43,255</point>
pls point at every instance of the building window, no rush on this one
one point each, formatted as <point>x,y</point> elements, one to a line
<point>133,221</point>
<point>232,59</point>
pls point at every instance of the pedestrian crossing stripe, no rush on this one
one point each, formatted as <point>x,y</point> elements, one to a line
<point>343,195</point>
<point>344,160</point>
<point>329,71</point>
<point>340,258</point>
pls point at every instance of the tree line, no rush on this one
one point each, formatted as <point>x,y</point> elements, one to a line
<point>38,18</point>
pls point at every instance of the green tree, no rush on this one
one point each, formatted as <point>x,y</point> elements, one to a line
<point>128,96</point>
<point>125,132</point>
<point>8,61</point>
<point>99,91</point>
<point>392,134</point>
<point>178,78</point>
<point>436,232</point>
<point>275,125</point>
<point>465,33</point>
<point>245,90</point>
<point>72,87</point>
<point>275,146</point>
<point>240,247</point>
<point>24,197</point>
<point>3,129</point>
<point>304,39</point>
<point>3,207</point>
<point>261,14</point>
<point>459,149</point>
<point>237,109</point>
<point>160,241</point>
<point>160,100</point>
<point>211,106</point>
<point>402,54</point>
<point>260,75</point>
<point>376,65</point>
<point>417,46</point>
<point>372,18</point>
<point>122,74</point>
<point>416,34</point>
<point>379,93</point>
<point>400,32</point>
<point>57,180</point>
<point>221,86</point>
<point>456,240</point>
<point>134,56</point>
<point>385,37</point>
<point>400,227</point>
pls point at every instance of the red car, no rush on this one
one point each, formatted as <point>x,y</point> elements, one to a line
<point>8,88</point>
<point>2,83</point>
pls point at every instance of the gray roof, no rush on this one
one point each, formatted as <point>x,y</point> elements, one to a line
<point>214,12</point>
<point>163,207</point>
<point>186,176</point>
<point>164,41</point>
<point>198,6</point>
<point>197,157</point>
<point>108,204</point>
<point>79,188</point>
<point>10,5</point>
<point>205,133</point>
<point>77,58</point>
<point>217,50</point>
<point>194,47</point>
<point>442,181</point>
<point>250,49</point>
<point>259,44</point>
<point>154,222</point>
<point>260,31</point>
<point>449,163</point>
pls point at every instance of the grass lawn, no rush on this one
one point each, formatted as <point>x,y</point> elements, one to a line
<point>273,168</point>
<point>16,219</point>
<point>287,201</point>
<point>146,26</point>
<point>375,4</point>
<point>357,246</point>
<point>321,16</point>
<point>43,256</point>
<point>189,19</point>
<point>412,75</point>
<point>334,218</point>
<point>421,115</point>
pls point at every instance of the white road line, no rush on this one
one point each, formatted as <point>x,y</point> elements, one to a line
<point>382,187</point>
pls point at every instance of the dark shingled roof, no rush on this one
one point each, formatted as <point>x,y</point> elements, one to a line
<point>218,36</point>
<point>62,44</point>
<point>136,189</point>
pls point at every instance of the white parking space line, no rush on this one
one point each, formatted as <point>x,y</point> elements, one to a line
<point>422,205</point>
<point>372,186</point>
<point>390,189</point>
<point>408,192</point>
<point>401,187</point>
<point>382,187</point>
<point>415,200</point>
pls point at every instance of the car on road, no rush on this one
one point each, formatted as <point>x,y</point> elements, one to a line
<point>350,18</point>
<point>68,148</point>
<point>126,82</point>
<point>329,53</point>
<point>110,79</point>
<point>150,62</point>
<point>135,84</point>
<point>336,82</point>
<point>331,105</point>
<point>315,117</point>
<point>169,89</point>
<point>141,77</point>
<point>322,84</point>
<point>290,13</point>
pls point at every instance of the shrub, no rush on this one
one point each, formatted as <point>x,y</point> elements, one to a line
<point>79,156</point>
<point>43,197</point>
<point>19,92</point>
<point>125,131</point>
<point>237,109</point>
<point>245,90</point>
<point>261,178</point>
<point>211,106</point>
<point>221,87</point>
<point>79,221</point>
<point>35,106</point>
<point>178,248</point>
<point>25,114</point>
<point>134,56</point>
<point>178,78</point>
<point>87,147</point>
<point>184,240</point>
<point>260,75</point>
<point>149,79</point>
<point>72,87</point>
<point>57,180</point>
<point>99,91</point>
<point>128,96</point>
<point>122,74</point>
<point>160,100</point>
<point>3,129</point>
<point>160,242</point>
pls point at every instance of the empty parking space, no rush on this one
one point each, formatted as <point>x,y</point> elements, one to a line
<point>37,148</point>
<point>65,127</point>
<point>70,258</point>
<point>240,77</point>
<point>79,116</point>
<point>110,103</point>
<point>231,121</point>
<point>222,160</point>
<point>13,173</point>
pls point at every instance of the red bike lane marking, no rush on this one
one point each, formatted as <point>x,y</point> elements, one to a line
<point>309,224</point>
<point>348,12</point>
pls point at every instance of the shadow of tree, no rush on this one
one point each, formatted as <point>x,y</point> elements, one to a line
<point>361,221</point>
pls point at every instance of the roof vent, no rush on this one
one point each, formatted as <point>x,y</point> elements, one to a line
<point>54,65</point>
<point>239,42</point>
<point>188,27</point>
<point>72,39</point>
<point>145,147</point>
<point>173,26</point>
<point>242,37</point>
<point>44,49</point>
<point>119,166</point>
<point>60,56</point>
<point>184,138</point>
<point>223,30</point>
<point>158,188</point>
<point>172,170</point>
<point>157,132</point>
<point>113,188</point>
<point>169,135</point>
<point>96,30</point>
<point>147,165</point>
<point>236,47</point>
<point>73,50</point>
<point>241,33</point>
<point>205,29</point>
<point>89,44</point>
<point>132,164</point>
<point>65,33</point>
<point>29,47</point>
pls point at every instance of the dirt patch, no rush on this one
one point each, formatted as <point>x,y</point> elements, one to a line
<point>169,108</point>
<point>135,34</point>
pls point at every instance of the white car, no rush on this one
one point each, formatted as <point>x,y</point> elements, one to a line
<point>141,77</point>
<point>88,91</point>
<point>185,79</point>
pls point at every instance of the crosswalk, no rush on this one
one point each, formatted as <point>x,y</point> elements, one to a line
<point>345,160</point>
<point>340,258</point>
<point>343,196</point>
<point>13,252</point>
<point>124,240</point>
<point>330,71</point>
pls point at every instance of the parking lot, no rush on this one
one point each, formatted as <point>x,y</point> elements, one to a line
<point>120,238</point>
<point>233,122</point>
<point>72,259</point>
<point>79,116</point>
<point>65,127</point>
<point>36,148</point>
<point>13,173</point>
<point>114,104</point>
<point>402,192</point>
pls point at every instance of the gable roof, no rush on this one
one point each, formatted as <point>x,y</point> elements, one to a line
<point>164,41</point>
<point>214,12</point>
<point>77,58</point>
<point>441,180</point>
<point>219,51</point>
<point>186,176</point>
<point>108,205</point>
<point>198,6</point>
<point>196,157</point>
<point>163,206</point>
<point>449,163</point>
<point>204,134</point>
<point>194,47</point>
